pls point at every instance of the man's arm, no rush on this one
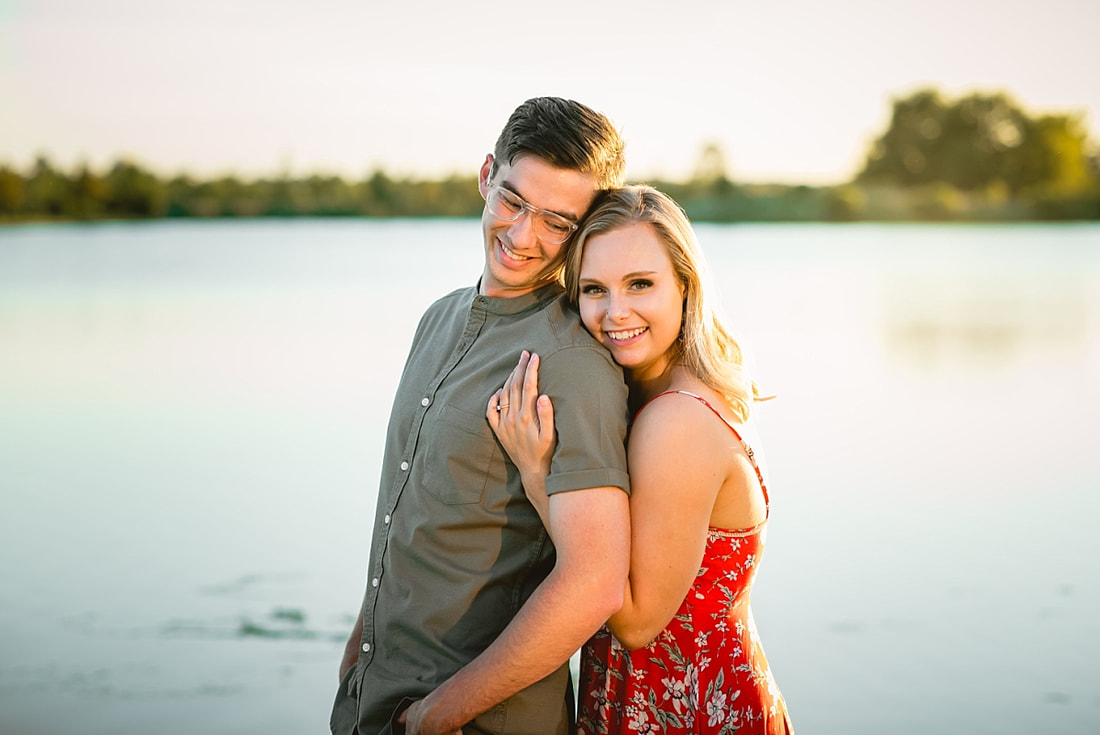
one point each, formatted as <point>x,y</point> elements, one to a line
<point>591,532</point>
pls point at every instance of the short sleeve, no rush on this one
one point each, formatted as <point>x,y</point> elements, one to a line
<point>590,414</point>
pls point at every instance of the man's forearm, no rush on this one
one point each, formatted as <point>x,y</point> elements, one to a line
<point>558,618</point>
<point>584,589</point>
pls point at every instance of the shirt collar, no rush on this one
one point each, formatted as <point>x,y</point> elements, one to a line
<point>517,304</point>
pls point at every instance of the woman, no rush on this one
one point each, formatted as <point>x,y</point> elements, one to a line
<point>682,655</point>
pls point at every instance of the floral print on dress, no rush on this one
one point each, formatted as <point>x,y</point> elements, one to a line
<point>706,671</point>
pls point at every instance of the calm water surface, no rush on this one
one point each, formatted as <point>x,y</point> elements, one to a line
<point>191,418</point>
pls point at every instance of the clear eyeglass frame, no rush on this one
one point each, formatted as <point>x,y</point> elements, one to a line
<point>507,206</point>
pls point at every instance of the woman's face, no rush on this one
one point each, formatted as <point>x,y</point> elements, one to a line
<point>630,299</point>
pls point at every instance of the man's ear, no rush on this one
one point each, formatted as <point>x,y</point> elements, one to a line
<point>484,175</point>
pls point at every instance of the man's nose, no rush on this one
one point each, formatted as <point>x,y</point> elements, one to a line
<point>522,231</point>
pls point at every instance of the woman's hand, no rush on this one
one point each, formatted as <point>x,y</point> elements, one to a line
<point>524,423</point>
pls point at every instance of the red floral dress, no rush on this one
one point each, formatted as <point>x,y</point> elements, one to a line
<point>706,671</point>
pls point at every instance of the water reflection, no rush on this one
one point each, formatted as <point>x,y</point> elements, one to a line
<point>196,413</point>
<point>958,324</point>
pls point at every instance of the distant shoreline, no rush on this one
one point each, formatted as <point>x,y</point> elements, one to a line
<point>718,201</point>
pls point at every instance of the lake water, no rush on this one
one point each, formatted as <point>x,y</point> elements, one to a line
<point>191,418</point>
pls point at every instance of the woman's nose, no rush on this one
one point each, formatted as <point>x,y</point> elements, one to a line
<point>617,308</point>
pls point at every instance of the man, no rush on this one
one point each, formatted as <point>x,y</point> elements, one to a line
<point>471,613</point>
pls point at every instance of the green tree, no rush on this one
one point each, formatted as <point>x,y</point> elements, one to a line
<point>332,196</point>
<point>710,171</point>
<point>134,192</point>
<point>87,195</point>
<point>13,192</point>
<point>975,142</point>
<point>380,195</point>
<point>1063,155</point>
<point>47,190</point>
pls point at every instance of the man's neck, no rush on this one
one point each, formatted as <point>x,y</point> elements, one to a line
<point>505,292</point>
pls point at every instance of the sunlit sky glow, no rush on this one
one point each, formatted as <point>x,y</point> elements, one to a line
<point>792,90</point>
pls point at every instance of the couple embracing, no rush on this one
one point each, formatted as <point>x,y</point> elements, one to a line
<point>607,498</point>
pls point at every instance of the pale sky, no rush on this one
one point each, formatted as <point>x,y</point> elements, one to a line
<point>791,90</point>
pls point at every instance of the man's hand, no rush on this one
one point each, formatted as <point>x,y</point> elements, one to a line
<point>415,721</point>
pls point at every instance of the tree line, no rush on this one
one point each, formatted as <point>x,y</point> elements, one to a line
<point>127,190</point>
<point>979,157</point>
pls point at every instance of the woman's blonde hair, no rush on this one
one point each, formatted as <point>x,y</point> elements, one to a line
<point>705,346</point>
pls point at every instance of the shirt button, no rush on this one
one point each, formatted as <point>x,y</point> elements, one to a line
<point>374,582</point>
<point>425,401</point>
<point>386,520</point>
<point>366,648</point>
<point>404,466</point>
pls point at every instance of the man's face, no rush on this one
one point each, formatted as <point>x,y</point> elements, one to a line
<point>517,261</point>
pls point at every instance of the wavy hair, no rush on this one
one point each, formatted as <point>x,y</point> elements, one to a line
<point>705,346</point>
<point>566,134</point>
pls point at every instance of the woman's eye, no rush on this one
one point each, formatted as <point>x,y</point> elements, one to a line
<point>591,290</point>
<point>640,284</point>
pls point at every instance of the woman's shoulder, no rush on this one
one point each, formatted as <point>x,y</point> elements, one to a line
<point>686,397</point>
<point>682,414</point>
<point>679,446</point>
<point>694,411</point>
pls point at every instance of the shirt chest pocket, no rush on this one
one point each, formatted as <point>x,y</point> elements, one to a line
<point>462,458</point>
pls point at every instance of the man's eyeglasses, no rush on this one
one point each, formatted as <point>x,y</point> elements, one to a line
<point>508,206</point>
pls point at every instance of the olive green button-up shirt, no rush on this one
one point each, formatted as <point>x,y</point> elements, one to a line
<point>457,549</point>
